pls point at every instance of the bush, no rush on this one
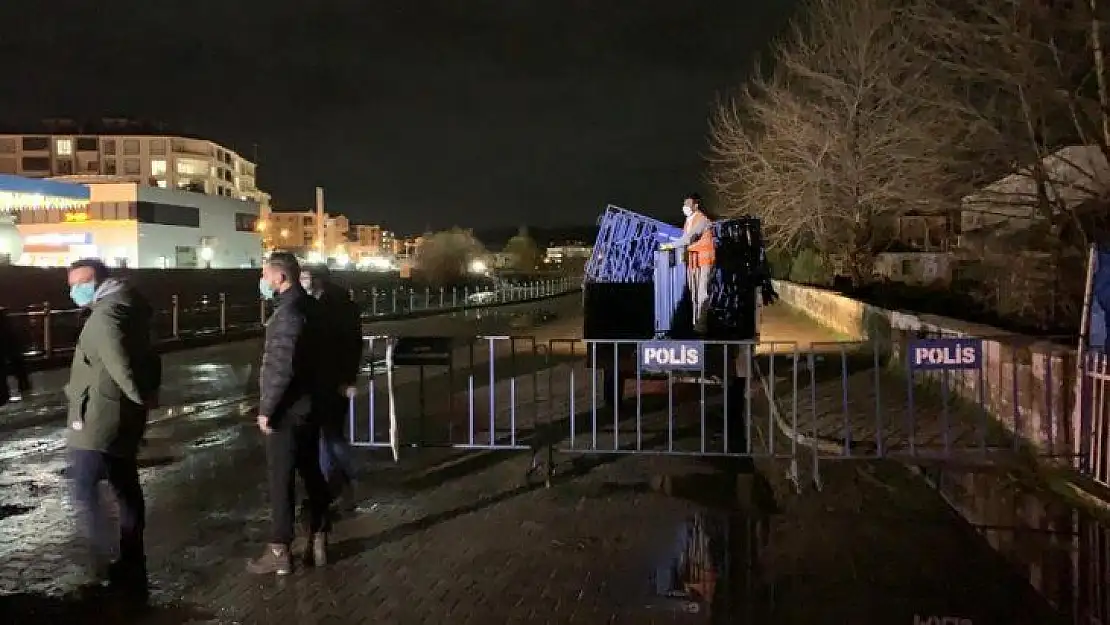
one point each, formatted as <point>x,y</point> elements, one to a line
<point>779,263</point>
<point>809,267</point>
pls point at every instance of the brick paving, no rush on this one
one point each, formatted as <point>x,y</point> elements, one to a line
<point>451,536</point>
<point>847,405</point>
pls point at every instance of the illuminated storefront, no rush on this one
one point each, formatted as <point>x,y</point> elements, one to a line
<point>20,196</point>
<point>129,225</point>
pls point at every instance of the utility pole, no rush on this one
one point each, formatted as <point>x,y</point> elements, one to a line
<point>320,222</point>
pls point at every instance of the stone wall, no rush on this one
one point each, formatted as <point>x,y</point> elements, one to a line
<point>1027,384</point>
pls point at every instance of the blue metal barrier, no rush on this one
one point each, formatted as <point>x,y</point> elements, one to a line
<point>626,245</point>
<point>670,288</point>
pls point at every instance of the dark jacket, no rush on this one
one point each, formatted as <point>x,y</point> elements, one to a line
<point>115,372</point>
<point>290,376</point>
<point>343,326</point>
<point>11,360</point>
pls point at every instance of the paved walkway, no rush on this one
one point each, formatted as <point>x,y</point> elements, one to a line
<point>842,398</point>
<point>455,536</point>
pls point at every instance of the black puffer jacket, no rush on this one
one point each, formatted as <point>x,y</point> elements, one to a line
<point>289,376</point>
<point>344,337</point>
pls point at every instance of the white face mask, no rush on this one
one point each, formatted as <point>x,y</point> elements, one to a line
<point>686,210</point>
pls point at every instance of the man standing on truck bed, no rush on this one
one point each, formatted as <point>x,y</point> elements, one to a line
<point>696,243</point>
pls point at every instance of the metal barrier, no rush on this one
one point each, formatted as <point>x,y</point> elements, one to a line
<point>930,401</point>
<point>47,331</point>
<point>1095,416</point>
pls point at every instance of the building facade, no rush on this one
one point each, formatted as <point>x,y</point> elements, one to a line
<point>567,253</point>
<point>391,245</point>
<point>297,231</point>
<point>367,237</point>
<point>132,225</point>
<point>163,161</point>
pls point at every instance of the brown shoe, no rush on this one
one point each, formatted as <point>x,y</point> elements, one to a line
<point>316,551</point>
<point>276,560</point>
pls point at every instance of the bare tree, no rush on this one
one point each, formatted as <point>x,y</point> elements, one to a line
<point>1031,73</point>
<point>843,138</point>
<point>445,256</point>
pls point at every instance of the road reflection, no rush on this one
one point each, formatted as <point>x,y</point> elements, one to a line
<point>1063,552</point>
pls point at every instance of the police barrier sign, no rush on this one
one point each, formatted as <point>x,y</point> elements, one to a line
<point>961,353</point>
<point>672,355</point>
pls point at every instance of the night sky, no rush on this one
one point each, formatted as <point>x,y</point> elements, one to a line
<point>411,113</point>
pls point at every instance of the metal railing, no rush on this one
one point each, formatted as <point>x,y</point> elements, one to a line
<point>776,401</point>
<point>1094,421</point>
<point>48,331</point>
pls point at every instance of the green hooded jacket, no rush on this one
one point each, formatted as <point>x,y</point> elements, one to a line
<point>115,372</point>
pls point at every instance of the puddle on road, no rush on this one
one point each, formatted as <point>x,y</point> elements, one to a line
<point>9,510</point>
<point>1063,552</point>
<point>707,570</point>
<point>216,439</point>
<point>728,562</point>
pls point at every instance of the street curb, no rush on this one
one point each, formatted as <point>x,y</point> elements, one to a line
<point>62,359</point>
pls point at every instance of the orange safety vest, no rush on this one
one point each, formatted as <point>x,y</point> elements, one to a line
<point>700,253</point>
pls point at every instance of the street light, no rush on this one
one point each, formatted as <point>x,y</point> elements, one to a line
<point>478,266</point>
<point>206,255</point>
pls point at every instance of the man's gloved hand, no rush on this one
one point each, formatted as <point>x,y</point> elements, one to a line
<point>769,295</point>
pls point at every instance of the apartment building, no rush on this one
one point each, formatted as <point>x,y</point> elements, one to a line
<point>297,231</point>
<point>123,152</point>
<point>391,245</point>
<point>367,237</point>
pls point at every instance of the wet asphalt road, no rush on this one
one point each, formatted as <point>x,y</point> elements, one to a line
<point>206,394</point>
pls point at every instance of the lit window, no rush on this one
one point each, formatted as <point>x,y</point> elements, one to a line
<point>161,184</point>
<point>63,147</point>
<point>158,168</point>
<point>191,167</point>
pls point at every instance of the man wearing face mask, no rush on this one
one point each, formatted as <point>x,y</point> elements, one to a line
<point>696,243</point>
<point>113,383</point>
<point>344,342</point>
<point>289,381</point>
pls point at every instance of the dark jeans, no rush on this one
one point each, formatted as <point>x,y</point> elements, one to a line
<point>293,449</point>
<point>86,470</point>
<point>335,456</point>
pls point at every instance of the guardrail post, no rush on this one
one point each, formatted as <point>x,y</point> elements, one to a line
<point>223,313</point>
<point>175,315</point>
<point>393,295</point>
<point>454,297</point>
<point>412,299</point>
<point>374,301</point>
<point>466,295</point>
<point>441,297</point>
<point>47,339</point>
<point>427,298</point>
